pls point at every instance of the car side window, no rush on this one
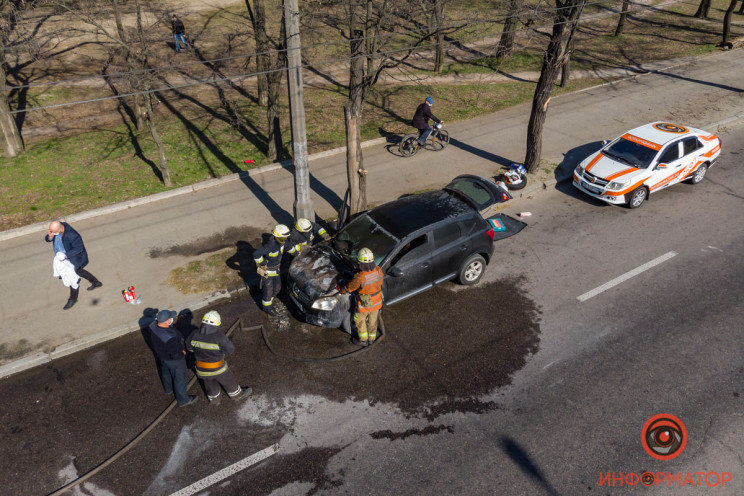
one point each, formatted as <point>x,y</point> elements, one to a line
<point>467,226</point>
<point>411,251</point>
<point>690,145</point>
<point>670,154</point>
<point>446,234</point>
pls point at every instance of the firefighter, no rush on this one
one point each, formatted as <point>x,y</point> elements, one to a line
<point>303,235</point>
<point>368,285</point>
<point>209,347</point>
<point>268,260</point>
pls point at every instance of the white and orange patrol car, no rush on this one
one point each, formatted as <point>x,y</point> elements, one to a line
<point>645,160</point>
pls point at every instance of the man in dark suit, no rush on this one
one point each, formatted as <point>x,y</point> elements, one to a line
<point>65,239</point>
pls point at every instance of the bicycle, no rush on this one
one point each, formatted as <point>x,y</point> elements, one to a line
<point>437,141</point>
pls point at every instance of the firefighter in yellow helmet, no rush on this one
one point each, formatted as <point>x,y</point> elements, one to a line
<point>367,283</point>
<point>268,260</point>
<point>210,347</point>
<point>304,234</point>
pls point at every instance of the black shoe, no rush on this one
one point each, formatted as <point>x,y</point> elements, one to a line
<point>69,304</point>
<point>96,284</point>
<point>192,399</point>
<point>271,311</point>
<point>359,342</point>
<point>216,401</point>
<point>244,393</point>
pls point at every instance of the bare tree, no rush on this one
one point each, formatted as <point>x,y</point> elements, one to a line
<point>433,10</point>
<point>12,142</point>
<point>727,24</point>
<point>271,60</point>
<point>624,9</point>
<point>566,20</point>
<point>506,41</point>
<point>703,9</point>
<point>134,43</point>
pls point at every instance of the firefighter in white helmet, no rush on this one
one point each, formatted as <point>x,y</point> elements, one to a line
<point>268,260</point>
<point>304,234</point>
<point>367,283</point>
<point>210,347</point>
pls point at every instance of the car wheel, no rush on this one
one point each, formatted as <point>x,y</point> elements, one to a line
<point>637,197</point>
<point>472,270</point>
<point>519,184</point>
<point>699,174</point>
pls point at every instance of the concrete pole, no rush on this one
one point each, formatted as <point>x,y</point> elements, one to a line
<point>303,205</point>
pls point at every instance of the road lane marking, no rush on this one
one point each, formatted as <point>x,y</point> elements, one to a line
<point>626,276</point>
<point>227,471</point>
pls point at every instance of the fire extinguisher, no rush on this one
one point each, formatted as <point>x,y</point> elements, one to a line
<point>129,295</point>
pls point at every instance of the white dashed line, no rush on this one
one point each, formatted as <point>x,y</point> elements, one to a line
<point>626,276</point>
<point>227,471</point>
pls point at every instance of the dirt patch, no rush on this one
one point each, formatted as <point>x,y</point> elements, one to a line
<point>426,431</point>
<point>218,241</point>
<point>11,352</point>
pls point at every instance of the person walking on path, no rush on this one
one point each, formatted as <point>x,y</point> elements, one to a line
<point>368,285</point>
<point>210,347</point>
<point>304,234</point>
<point>178,33</point>
<point>421,119</point>
<point>66,240</point>
<point>167,343</point>
<point>268,258</point>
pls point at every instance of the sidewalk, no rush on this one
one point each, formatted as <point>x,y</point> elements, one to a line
<point>138,243</point>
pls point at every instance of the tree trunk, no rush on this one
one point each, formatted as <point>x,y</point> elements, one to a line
<point>352,119</point>
<point>263,60</point>
<point>506,42</point>
<point>703,9</point>
<point>12,142</point>
<point>134,83</point>
<point>727,23</point>
<point>439,20</point>
<point>274,80</point>
<point>564,25</point>
<point>566,71</point>
<point>623,15</point>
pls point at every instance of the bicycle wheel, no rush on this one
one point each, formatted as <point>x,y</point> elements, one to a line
<point>440,141</point>
<point>408,145</point>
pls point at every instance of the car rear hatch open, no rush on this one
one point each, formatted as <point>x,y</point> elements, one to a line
<point>504,226</point>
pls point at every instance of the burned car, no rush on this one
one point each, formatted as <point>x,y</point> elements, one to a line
<point>418,241</point>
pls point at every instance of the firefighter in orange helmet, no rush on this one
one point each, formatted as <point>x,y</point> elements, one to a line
<point>368,285</point>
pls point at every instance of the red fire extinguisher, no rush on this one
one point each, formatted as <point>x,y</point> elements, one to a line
<point>129,295</point>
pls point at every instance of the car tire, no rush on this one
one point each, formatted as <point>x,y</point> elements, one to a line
<point>408,145</point>
<point>699,174</point>
<point>637,197</point>
<point>472,270</point>
<point>516,186</point>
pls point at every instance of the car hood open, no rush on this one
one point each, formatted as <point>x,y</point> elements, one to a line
<point>317,269</point>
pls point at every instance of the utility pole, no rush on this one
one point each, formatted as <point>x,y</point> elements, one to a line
<point>303,205</point>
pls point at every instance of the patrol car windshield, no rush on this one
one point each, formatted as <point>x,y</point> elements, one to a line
<point>363,232</point>
<point>630,153</point>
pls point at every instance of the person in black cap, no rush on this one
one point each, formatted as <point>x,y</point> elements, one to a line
<point>167,343</point>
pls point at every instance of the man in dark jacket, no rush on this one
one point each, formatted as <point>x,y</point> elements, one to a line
<point>421,119</point>
<point>178,33</point>
<point>210,347</point>
<point>167,343</point>
<point>65,239</point>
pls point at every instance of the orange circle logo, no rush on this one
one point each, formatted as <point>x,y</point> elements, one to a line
<point>670,128</point>
<point>664,436</point>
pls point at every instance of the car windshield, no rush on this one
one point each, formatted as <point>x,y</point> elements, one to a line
<point>363,232</point>
<point>630,153</point>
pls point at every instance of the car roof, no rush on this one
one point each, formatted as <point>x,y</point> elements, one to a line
<point>409,214</point>
<point>662,133</point>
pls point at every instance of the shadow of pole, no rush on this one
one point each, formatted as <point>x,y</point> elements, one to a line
<point>481,153</point>
<point>522,460</point>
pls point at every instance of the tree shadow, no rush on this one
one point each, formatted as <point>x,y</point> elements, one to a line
<point>480,153</point>
<point>525,463</point>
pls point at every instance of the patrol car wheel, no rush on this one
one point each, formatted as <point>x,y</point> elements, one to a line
<point>699,174</point>
<point>472,270</point>
<point>637,197</point>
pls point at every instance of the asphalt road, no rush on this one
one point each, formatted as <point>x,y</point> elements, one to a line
<point>512,387</point>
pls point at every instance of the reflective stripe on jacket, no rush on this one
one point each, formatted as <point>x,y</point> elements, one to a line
<point>368,285</point>
<point>269,255</point>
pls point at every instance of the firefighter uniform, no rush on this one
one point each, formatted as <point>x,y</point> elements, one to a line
<point>368,285</point>
<point>304,234</point>
<point>268,260</point>
<point>210,347</point>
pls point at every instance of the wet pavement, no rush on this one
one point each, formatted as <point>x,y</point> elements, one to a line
<point>441,350</point>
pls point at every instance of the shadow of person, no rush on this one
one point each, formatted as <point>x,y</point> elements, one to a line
<point>242,262</point>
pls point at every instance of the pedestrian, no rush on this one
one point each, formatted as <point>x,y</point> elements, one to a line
<point>367,283</point>
<point>66,240</point>
<point>268,260</point>
<point>421,120</point>
<point>210,347</point>
<point>167,343</point>
<point>304,234</point>
<point>178,33</point>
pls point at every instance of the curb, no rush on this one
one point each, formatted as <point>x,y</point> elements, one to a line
<point>65,349</point>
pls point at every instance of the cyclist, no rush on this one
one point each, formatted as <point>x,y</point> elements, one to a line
<point>421,120</point>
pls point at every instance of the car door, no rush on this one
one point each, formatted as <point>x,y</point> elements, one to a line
<point>449,249</point>
<point>409,270</point>
<point>667,166</point>
<point>691,150</point>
